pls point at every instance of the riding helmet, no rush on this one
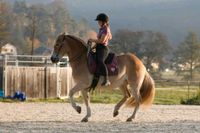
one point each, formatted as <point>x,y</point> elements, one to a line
<point>102,17</point>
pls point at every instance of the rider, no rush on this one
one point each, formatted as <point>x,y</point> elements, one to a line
<point>102,49</point>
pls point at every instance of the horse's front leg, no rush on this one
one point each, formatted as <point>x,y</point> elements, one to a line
<point>75,89</point>
<point>86,98</point>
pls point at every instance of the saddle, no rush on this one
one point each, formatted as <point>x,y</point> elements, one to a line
<point>111,63</point>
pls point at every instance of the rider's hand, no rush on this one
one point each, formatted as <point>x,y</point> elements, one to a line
<point>90,40</point>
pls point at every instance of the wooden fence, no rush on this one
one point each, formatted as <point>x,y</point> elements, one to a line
<point>38,82</point>
<point>35,75</point>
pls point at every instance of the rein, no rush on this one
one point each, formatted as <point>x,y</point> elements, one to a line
<point>75,58</point>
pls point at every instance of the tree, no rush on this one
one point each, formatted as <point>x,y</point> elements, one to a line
<point>20,7</point>
<point>17,35</point>
<point>22,24</point>
<point>151,47</point>
<point>154,48</point>
<point>61,17</point>
<point>32,26</point>
<point>126,41</point>
<point>82,28</point>
<point>4,21</point>
<point>19,15</point>
<point>3,32</point>
<point>39,26</point>
<point>187,55</point>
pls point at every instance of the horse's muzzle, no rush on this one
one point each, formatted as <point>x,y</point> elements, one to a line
<point>54,58</point>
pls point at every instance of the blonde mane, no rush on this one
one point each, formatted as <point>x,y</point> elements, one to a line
<point>77,39</point>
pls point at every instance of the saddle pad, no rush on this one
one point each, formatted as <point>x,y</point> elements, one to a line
<point>111,64</point>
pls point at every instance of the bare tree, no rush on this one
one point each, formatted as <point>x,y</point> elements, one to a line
<point>4,33</point>
<point>187,56</point>
<point>33,27</point>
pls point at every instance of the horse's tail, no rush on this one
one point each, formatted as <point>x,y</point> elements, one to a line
<point>147,92</point>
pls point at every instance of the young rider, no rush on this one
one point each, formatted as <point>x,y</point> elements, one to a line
<point>102,49</point>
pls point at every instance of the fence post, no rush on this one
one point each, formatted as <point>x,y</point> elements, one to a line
<point>45,80</point>
<point>58,82</point>
<point>69,82</point>
<point>5,76</point>
<point>188,83</point>
<point>199,86</point>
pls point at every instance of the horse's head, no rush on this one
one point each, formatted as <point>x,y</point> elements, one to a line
<point>69,45</point>
<point>59,50</point>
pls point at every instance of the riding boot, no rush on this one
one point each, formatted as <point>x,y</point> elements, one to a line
<point>94,82</point>
<point>105,82</point>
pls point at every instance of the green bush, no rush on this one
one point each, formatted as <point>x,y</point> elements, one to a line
<point>192,101</point>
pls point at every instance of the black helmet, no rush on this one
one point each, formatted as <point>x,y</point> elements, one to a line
<point>102,17</point>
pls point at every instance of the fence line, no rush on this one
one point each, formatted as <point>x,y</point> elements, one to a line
<point>36,84</point>
<point>36,76</point>
<point>190,87</point>
<point>188,84</point>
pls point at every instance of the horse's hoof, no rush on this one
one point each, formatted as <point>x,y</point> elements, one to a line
<point>78,109</point>
<point>115,113</point>
<point>129,120</point>
<point>84,120</point>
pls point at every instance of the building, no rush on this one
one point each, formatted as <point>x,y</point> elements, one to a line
<point>9,49</point>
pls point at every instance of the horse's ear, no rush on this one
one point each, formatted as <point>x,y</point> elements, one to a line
<point>64,33</point>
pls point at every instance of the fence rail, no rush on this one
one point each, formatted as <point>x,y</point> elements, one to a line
<point>179,90</point>
<point>186,84</point>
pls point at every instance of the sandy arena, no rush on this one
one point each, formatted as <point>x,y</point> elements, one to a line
<point>60,117</point>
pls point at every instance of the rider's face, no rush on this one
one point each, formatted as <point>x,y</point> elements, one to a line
<point>100,23</point>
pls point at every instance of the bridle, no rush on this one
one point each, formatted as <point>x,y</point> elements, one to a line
<point>75,58</point>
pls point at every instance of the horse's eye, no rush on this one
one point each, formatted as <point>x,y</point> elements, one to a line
<point>56,46</point>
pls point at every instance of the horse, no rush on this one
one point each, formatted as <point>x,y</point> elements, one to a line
<point>133,80</point>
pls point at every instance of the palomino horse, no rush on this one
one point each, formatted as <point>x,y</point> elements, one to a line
<point>133,79</point>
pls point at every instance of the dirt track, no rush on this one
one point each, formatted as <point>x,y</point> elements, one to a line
<point>60,117</point>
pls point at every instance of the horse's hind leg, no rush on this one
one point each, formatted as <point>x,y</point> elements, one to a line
<point>126,94</point>
<point>136,95</point>
<point>86,98</point>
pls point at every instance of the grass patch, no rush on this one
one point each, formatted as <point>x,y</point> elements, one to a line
<point>103,96</point>
<point>107,96</point>
<point>8,100</point>
<point>171,96</point>
<point>51,100</point>
<point>163,96</point>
